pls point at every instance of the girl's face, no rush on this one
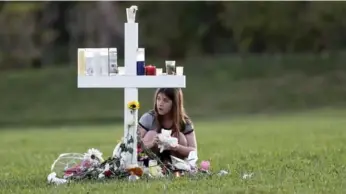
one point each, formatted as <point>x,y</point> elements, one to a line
<point>163,104</point>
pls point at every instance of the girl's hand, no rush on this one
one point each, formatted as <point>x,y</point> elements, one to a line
<point>174,147</point>
<point>155,140</point>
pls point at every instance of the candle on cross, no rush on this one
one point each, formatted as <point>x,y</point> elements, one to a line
<point>150,70</point>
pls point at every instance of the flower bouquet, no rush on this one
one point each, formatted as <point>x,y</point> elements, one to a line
<point>91,165</point>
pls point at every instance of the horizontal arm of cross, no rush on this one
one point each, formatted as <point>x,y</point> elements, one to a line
<point>132,81</point>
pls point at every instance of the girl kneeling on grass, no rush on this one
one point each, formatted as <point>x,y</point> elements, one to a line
<point>169,114</point>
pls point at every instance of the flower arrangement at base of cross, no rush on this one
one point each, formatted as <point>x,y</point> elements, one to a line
<point>90,165</point>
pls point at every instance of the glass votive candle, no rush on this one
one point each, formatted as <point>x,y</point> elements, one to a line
<point>170,67</point>
<point>121,70</point>
<point>158,71</point>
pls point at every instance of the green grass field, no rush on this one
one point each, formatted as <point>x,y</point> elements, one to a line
<point>288,153</point>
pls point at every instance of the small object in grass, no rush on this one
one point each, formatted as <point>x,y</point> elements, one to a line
<point>101,176</point>
<point>138,171</point>
<point>206,172</point>
<point>133,177</point>
<point>205,165</point>
<point>177,174</point>
<point>52,179</point>
<point>247,176</point>
<point>155,171</point>
<point>222,172</point>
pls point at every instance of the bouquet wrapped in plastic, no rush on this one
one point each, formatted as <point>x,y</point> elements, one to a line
<point>75,166</point>
<point>166,140</point>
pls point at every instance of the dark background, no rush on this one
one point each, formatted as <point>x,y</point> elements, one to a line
<point>239,57</point>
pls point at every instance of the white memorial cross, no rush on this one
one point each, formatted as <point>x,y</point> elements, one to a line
<point>131,82</point>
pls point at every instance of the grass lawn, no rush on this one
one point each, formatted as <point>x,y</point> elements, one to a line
<point>292,153</point>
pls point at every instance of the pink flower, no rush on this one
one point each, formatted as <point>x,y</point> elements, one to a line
<point>205,165</point>
<point>139,150</point>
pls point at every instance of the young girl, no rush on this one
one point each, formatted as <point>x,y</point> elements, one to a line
<point>168,113</point>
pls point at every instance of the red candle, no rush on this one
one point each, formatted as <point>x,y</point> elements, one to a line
<point>150,70</point>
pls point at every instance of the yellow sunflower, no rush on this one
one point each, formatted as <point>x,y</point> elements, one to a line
<point>133,105</point>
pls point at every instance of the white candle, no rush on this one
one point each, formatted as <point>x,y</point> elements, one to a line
<point>113,60</point>
<point>179,70</point>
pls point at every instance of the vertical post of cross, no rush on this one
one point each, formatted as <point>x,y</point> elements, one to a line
<point>130,94</point>
<point>130,81</point>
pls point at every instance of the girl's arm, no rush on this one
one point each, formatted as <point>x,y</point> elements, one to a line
<point>149,138</point>
<point>191,145</point>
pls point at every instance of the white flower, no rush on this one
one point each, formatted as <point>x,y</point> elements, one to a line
<point>131,123</point>
<point>52,179</point>
<point>93,154</point>
<point>101,176</point>
<point>247,175</point>
<point>166,140</point>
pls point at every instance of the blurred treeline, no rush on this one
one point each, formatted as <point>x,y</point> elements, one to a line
<point>39,34</point>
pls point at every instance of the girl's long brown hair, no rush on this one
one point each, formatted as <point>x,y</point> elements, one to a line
<point>178,113</point>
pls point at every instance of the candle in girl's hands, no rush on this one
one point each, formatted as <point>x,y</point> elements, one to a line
<point>150,70</point>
